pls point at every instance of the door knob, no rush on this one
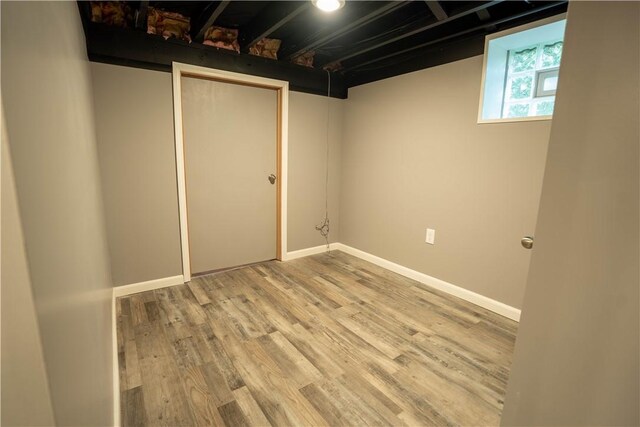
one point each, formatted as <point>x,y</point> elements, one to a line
<point>527,242</point>
<point>272,179</point>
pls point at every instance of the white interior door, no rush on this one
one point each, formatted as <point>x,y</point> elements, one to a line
<point>230,143</point>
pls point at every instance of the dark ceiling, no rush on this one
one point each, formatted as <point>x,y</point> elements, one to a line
<point>365,40</point>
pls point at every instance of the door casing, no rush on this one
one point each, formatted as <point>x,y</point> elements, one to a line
<point>282,89</point>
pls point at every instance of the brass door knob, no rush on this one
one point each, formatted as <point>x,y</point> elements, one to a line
<point>527,242</point>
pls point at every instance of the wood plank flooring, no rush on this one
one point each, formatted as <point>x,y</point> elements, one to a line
<point>324,340</point>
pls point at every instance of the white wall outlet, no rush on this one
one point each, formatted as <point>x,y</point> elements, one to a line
<point>431,236</point>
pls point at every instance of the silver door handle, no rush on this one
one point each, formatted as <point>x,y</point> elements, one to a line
<point>272,179</point>
<point>527,242</point>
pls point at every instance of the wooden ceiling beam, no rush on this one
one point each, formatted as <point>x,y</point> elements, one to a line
<point>269,20</point>
<point>210,20</point>
<point>436,8</point>
<point>329,35</point>
<point>421,29</point>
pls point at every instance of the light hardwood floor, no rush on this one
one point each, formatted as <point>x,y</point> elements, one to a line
<point>324,340</point>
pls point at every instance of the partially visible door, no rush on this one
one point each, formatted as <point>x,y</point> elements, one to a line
<point>230,143</point>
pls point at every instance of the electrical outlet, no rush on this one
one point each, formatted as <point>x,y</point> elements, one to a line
<point>431,236</point>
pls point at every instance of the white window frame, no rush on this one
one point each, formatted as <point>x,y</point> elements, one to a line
<point>493,85</point>
<point>541,76</point>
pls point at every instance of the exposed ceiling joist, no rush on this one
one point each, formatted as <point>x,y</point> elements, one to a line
<point>483,14</point>
<point>440,54</point>
<point>437,10</point>
<point>372,40</point>
<point>482,26</point>
<point>421,29</point>
<point>269,21</point>
<point>327,36</point>
<point>211,19</point>
<point>141,14</point>
<point>85,14</point>
<point>137,49</point>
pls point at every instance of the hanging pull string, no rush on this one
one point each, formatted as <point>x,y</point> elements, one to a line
<point>323,228</point>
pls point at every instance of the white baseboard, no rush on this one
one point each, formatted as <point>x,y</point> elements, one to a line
<point>467,295</point>
<point>308,251</point>
<point>150,285</point>
<point>116,372</point>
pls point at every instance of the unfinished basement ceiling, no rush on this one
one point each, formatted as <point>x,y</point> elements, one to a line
<point>363,42</point>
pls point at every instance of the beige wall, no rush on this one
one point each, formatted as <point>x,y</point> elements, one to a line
<point>134,111</point>
<point>307,167</point>
<point>577,355</point>
<point>46,93</point>
<point>25,390</point>
<point>134,126</point>
<point>414,157</point>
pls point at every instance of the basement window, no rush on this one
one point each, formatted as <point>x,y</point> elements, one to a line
<point>520,73</point>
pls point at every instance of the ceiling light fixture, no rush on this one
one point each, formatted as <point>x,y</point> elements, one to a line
<point>328,5</point>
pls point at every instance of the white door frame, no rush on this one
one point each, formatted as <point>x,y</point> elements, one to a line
<point>282,89</point>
